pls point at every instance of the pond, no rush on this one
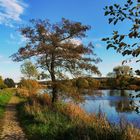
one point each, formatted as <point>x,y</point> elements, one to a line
<point>115,104</point>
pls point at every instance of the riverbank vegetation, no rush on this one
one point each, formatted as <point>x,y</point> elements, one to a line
<point>120,82</point>
<point>43,120</point>
<point>58,50</point>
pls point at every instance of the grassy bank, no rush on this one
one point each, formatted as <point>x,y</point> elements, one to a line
<point>41,120</point>
<point>5,96</point>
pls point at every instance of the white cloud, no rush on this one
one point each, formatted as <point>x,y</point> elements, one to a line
<point>17,39</point>
<point>22,40</point>
<point>76,41</point>
<point>11,11</point>
<point>73,41</point>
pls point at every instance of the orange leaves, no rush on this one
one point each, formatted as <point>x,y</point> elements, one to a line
<point>29,87</point>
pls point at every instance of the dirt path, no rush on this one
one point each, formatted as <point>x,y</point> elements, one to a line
<point>11,129</point>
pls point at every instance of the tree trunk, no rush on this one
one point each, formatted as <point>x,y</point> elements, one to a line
<point>54,94</point>
<point>54,86</point>
<point>54,89</point>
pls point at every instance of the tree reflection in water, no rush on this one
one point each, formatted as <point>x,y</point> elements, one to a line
<point>121,104</point>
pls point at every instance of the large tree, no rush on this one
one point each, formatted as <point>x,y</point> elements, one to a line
<point>58,49</point>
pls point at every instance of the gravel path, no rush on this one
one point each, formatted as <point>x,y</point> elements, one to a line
<point>11,129</point>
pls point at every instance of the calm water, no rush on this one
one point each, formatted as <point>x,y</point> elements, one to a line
<point>114,103</point>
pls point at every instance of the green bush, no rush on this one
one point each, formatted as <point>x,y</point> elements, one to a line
<point>82,83</point>
<point>9,82</point>
<point>93,83</point>
<point>3,86</point>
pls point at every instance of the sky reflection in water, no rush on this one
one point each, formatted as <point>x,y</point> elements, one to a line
<point>114,103</point>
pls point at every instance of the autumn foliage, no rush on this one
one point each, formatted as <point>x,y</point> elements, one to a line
<point>58,49</point>
<point>28,87</point>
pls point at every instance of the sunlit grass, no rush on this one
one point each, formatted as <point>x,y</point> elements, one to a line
<point>5,96</point>
<point>42,120</point>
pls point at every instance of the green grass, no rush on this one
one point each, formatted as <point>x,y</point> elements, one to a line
<point>35,127</point>
<point>5,96</point>
<point>41,123</point>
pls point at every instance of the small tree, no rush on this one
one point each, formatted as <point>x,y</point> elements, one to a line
<point>58,49</point>
<point>29,70</point>
<point>120,77</point>
<point>9,82</point>
<point>123,70</point>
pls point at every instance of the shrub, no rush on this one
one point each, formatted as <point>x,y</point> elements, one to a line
<point>82,83</point>
<point>93,83</point>
<point>22,92</point>
<point>29,87</point>
<point>69,121</point>
<point>45,99</point>
<point>3,86</point>
<point>133,87</point>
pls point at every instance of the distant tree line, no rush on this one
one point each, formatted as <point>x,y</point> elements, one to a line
<point>6,83</point>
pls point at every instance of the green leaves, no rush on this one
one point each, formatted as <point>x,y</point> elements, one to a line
<point>115,21</point>
<point>128,43</point>
<point>119,41</point>
<point>121,38</point>
<point>111,46</point>
<point>116,5</point>
<point>106,13</point>
<point>111,8</point>
<point>105,39</point>
<point>110,20</point>
<point>126,52</point>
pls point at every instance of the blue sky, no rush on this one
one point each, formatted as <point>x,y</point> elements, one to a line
<point>15,13</point>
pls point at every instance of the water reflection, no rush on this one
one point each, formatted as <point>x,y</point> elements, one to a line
<point>114,103</point>
<point>122,105</point>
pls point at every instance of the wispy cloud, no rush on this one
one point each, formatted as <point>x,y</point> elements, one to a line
<point>11,11</point>
<point>16,38</point>
<point>76,41</point>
